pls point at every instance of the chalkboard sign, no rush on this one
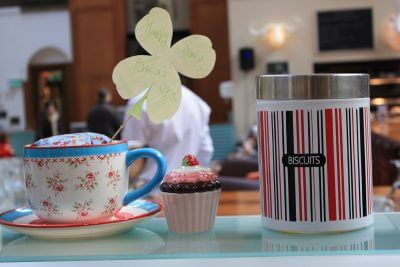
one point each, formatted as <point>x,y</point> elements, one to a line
<point>345,29</point>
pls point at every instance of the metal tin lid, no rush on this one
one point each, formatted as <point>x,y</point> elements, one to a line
<point>313,86</point>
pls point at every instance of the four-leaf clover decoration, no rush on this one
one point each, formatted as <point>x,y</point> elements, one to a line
<point>157,73</point>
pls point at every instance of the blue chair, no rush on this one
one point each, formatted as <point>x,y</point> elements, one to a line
<point>19,139</point>
<point>224,139</point>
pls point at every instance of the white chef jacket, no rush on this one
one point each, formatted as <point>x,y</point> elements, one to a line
<point>187,132</point>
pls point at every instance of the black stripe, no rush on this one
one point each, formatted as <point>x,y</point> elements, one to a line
<point>358,166</point>
<point>276,166</point>
<point>309,169</point>
<point>284,169</point>
<point>319,169</point>
<point>291,174</point>
<point>348,163</point>
<point>273,215</point>
<point>363,161</point>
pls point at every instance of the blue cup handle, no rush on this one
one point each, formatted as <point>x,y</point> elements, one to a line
<point>133,155</point>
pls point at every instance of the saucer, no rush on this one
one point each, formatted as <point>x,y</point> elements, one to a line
<point>23,220</point>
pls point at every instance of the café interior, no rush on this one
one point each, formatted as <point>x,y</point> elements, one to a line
<point>57,60</point>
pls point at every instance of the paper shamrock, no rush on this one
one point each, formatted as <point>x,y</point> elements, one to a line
<point>192,56</point>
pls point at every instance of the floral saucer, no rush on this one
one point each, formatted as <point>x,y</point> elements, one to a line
<point>23,220</point>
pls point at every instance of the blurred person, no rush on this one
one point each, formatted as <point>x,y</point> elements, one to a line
<point>6,150</point>
<point>103,118</point>
<point>49,121</point>
<point>247,148</point>
<point>187,132</point>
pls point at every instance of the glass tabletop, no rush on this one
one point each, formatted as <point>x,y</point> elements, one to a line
<point>241,236</point>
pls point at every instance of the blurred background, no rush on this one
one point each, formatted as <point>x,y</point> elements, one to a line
<point>55,55</point>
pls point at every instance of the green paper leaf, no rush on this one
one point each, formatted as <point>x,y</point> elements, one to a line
<point>136,109</point>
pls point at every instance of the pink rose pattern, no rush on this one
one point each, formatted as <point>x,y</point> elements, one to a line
<point>56,183</point>
<point>105,157</point>
<point>76,139</point>
<point>82,209</point>
<point>75,162</point>
<point>111,206</point>
<point>99,139</point>
<point>88,182</point>
<point>29,183</point>
<point>113,177</point>
<point>26,161</point>
<point>49,207</point>
<point>41,163</point>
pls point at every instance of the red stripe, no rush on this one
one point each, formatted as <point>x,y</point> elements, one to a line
<point>265,167</point>
<point>312,169</point>
<point>262,140</point>
<point>330,164</point>
<point>303,168</point>
<point>268,169</point>
<point>279,162</point>
<point>266,141</point>
<point>341,160</point>
<point>298,169</point>
<point>314,201</point>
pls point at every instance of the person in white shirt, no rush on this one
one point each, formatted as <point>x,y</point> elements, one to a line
<point>187,132</point>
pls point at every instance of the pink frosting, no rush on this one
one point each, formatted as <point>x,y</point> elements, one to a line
<point>190,175</point>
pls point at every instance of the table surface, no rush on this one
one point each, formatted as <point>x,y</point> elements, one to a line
<point>248,202</point>
<point>232,237</point>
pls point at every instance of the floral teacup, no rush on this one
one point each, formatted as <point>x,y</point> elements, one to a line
<point>83,183</point>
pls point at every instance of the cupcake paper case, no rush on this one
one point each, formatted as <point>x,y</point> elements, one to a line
<point>190,195</point>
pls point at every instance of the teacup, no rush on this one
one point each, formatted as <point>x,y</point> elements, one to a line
<point>84,183</point>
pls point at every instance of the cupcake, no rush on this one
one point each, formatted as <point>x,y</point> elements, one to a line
<point>190,195</point>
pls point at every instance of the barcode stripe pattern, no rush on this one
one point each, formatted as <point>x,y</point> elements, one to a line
<point>339,190</point>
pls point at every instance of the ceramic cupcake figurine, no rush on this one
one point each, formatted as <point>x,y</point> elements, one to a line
<point>190,195</point>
